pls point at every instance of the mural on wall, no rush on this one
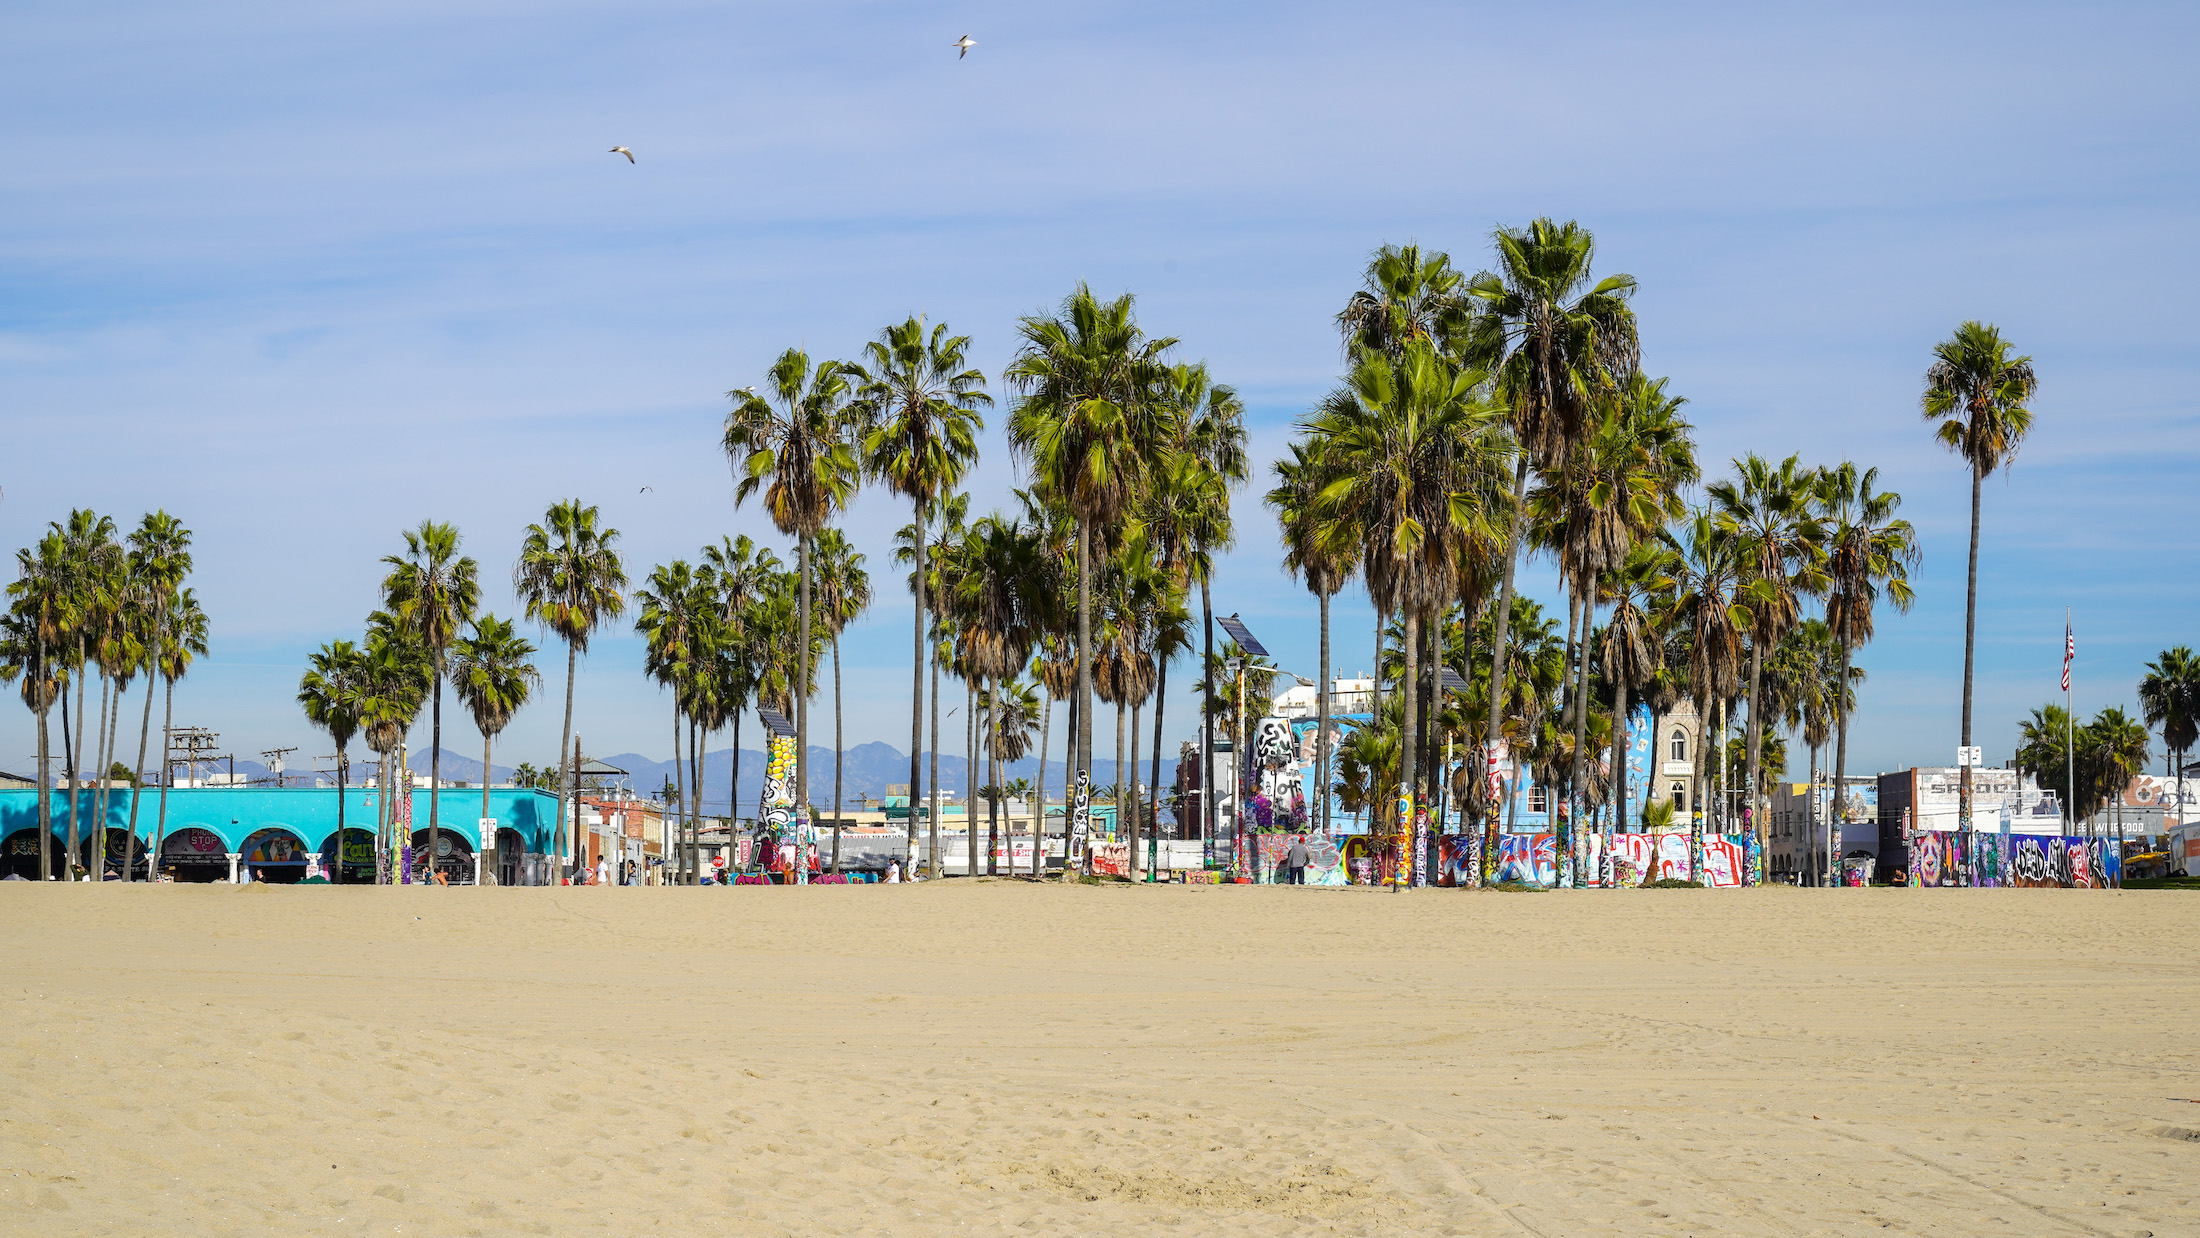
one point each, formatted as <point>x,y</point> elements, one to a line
<point>2052,862</point>
<point>1324,862</point>
<point>1635,858</point>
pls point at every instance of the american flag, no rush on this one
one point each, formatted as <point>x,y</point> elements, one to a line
<point>2070,650</point>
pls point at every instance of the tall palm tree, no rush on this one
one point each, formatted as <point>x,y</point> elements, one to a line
<point>1557,345</point>
<point>795,445</point>
<point>742,572</point>
<point>844,590</point>
<point>160,561</point>
<point>1869,552</point>
<point>41,607</point>
<point>671,625</point>
<point>920,398</point>
<point>1767,511</point>
<point>2169,696</point>
<point>183,633</point>
<point>23,655</point>
<point>1978,397</point>
<point>394,675</point>
<point>945,516</point>
<point>1708,578</point>
<point>570,578</point>
<point>88,564</point>
<point>494,671</point>
<point>2119,744</point>
<point>1323,564</point>
<point>433,590</point>
<point>994,608</point>
<point>1408,436</point>
<point>330,695</point>
<point>1086,422</point>
<point>1186,505</point>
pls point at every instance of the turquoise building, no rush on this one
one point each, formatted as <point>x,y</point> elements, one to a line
<point>280,834</point>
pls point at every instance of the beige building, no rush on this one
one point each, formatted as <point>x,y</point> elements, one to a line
<point>1672,775</point>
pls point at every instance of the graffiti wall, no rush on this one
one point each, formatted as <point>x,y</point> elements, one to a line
<point>2066,862</point>
<point>1324,861</point>
<point>1636,858</point>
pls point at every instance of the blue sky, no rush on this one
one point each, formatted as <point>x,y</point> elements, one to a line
<point>306,275</point>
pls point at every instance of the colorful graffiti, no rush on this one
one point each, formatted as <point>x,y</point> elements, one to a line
<point>1632,860</point>
<point>2052,862</point>
<point>1324,865</point>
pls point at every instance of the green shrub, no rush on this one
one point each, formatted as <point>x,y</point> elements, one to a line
<point>1674,883</point>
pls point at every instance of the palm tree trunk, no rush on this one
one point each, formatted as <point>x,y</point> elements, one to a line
<point>1153,824</point>
<point>1409,765</point>
<point>1578,782</point>
<point>679,787</point>
<point>1039,807</point>
<point>1810,816</point>
<point>145,735</point>
<point>1135,802</point>
<point>916,689</point>
<point>1840,763</point>
<point>733,792</point>
<point>435,772</point>
<point>802,717</point>
<point>1121,795</point>
<point>1500,631</point>
<point>839,753</point>
<point>1207,715</point>
<point>932,784</point>
<point>567,775</point>
<point>992,777</point>
<point>76,757</point>
<point>336,871</point>
<point>1321,723</point>
<point>100,766</point>
<point>970,776</point>
<point>167,732</point>
<point>1970,641</point>
<point>45,774</point>
<point>1619,754</point>
<point>696,736</point>
<point>1084,642</point>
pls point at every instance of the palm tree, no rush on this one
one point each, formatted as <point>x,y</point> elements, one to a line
<point>1012,720</point>
<point>160,561</point>
<point>1766,511</point>
<point>945,513</point>
<point>393,684</point>
<point>1708,608</point>
<point>844,589</point>
<point>1408,437</point>
<point>183,633</point>
<point>2052,751</point>
<point>23,654</point>
<point>743,573</point>
<point>1324,564</point>
<point>1633,652</point>
<point>671,624</point>
<point>1978,397</point>
<point>1405,297</point>
<point>1868,551</point>
<point>88,563</point>
<point>433,590</point>
<point>330,695</point>
<point>920,398</point>
<point>41,609</point>
<point>570,578</point>
<point>2119,745</point>
<point>794,445</point>
<point>495,673</point>
<point>2169,696</point>
<point>1086,423</point>
<point>1556,345</point>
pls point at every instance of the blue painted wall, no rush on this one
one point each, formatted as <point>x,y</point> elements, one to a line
<point>234,813</point>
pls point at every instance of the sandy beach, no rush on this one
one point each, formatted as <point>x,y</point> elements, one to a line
<point>994,1057</point>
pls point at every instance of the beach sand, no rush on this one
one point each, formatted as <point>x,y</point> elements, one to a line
<point>1000,1058</point>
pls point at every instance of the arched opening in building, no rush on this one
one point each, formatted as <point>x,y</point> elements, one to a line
<point>511,857</point>
<point>110,857</point>
<point>357,861</point>
<point>454,855</point>
<point>274,855</point>
<point>19,855</point>
<point>1678,751</point>
<point>195,854</point>
<point>1680,799</point>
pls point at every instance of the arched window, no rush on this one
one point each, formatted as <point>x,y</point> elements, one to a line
<point>1680,744</point>
<point>1680,795</point>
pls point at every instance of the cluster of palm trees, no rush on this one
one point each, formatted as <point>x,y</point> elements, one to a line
<point>1484,417</point>
<point>86,602</point>
<point>2089,765</point>
<point>1131,458</point>
<point>430,630</point>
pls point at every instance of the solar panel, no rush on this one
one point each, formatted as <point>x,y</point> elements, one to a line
<point>775,720</point>
<point>1453,683</point>
<point>1245,639</point>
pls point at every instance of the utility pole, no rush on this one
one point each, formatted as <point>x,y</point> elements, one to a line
<point>274,759</point>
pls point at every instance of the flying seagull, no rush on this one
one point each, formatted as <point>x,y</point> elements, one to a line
<point>644,490</point>
<point>964,43</point>
<point>621,150</point>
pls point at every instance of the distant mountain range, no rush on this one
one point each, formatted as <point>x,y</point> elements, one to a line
<point>871,768</point>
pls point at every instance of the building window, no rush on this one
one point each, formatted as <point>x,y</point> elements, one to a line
<point>1680,796</point>
<point>1679,746</point>
<point>1539,800</point>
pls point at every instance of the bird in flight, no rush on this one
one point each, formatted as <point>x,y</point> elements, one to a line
<point>964,44</point>
<point>621,150</point>
<point>644,490</point>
